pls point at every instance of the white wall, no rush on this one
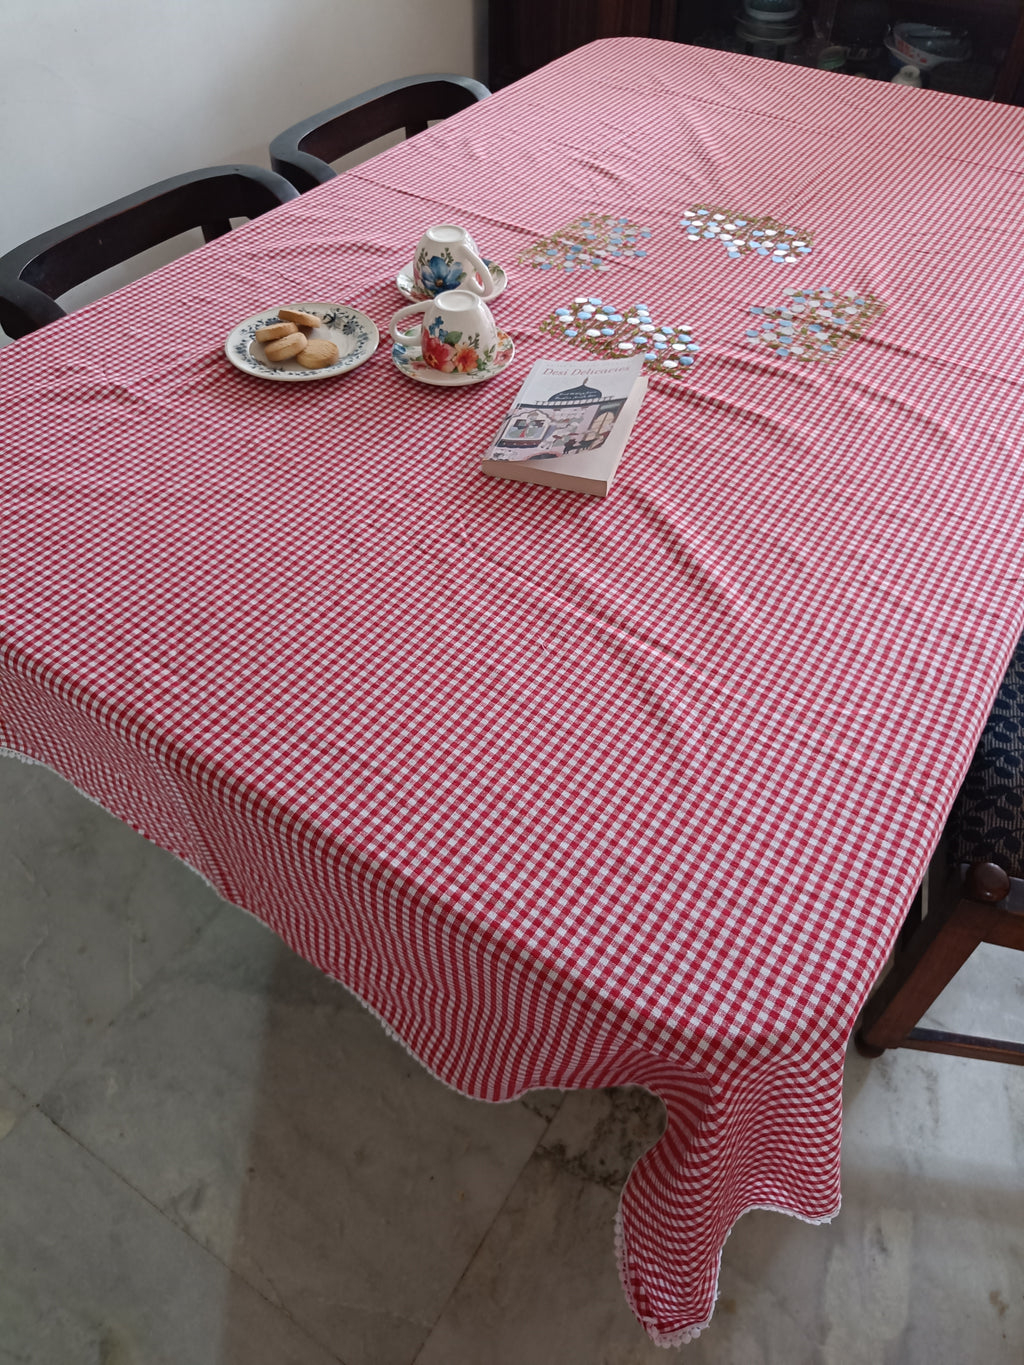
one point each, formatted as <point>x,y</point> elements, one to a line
<point>101,97</point>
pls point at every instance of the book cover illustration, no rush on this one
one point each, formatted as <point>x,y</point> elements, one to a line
<point>569,424</point>
<point>552,418</point>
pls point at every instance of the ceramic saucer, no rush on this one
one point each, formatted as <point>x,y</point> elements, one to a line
<point>408,290</point>
<point>410,362</point>
<point>354,334</point>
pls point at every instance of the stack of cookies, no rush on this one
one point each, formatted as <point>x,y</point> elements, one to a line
<point>288,340</point>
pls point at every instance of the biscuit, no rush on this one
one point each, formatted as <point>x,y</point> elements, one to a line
<point>317,354</point>
<point>285,347</point>
<point>275,331</point>
<point>300,319</point>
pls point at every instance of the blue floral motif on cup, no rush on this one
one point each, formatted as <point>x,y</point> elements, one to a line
<point>437,274</point>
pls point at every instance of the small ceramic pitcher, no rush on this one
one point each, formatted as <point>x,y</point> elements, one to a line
<point>457,331</point>
<point>447,258</point>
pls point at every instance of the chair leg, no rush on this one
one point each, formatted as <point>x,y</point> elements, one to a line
<point>947,937</point>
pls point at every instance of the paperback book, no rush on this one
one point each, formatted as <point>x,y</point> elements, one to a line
<point>569,425</point>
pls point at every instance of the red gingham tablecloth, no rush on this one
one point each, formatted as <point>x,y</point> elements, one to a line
<point>570,792</point>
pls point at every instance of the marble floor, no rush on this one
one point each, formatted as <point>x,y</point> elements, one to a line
<point>211,1155</point>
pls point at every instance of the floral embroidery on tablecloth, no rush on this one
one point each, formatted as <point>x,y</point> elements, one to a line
<point>814,324</point>
<point>743,234</point>
<point>610,331</point>
<point>592,243</point>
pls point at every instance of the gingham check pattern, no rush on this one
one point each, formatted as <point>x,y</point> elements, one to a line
<point>570,792</point>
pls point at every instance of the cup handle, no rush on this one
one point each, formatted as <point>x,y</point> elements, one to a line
<point>412,337</point>
<point>486,287</point>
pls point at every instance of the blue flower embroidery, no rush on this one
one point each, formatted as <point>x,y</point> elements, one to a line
<point>437,275</point>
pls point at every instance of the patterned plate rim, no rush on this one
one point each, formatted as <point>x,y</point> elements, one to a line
<point>238,340</point>
<point>453,380</point>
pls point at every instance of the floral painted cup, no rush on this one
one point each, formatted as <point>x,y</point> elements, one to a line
<point>457,334</point>
<point>447,258</point>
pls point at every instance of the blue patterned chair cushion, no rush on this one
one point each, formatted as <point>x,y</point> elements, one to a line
<point>987,820</point>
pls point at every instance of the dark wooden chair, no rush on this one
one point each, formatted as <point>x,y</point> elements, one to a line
<point>35,274</point>
<point>301,153</point>
<point>975,894</point>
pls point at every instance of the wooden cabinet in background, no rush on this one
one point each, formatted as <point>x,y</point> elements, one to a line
<point>524,34</point>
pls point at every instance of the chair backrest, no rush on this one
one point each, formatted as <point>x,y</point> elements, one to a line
<point>986,823</point>
<point>37,272</point>
<point>301,153</point>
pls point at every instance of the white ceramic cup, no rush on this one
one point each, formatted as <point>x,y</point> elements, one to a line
<point>456,334</point>
<point>446,258</point>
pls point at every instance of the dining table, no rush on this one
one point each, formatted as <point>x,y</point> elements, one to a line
<point>569,791</point>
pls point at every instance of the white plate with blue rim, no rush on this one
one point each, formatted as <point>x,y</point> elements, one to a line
<point>354,334</point>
